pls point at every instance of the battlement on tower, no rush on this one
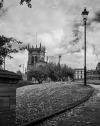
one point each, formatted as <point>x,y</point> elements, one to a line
<point>38,49</point>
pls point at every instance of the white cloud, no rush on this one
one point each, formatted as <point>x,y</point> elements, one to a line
<point>54,22</point>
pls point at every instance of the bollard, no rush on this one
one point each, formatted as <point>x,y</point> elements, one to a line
<point>8,81</point>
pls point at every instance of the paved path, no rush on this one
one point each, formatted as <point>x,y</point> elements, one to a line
<point>97,87</point>
<point>87,114</point>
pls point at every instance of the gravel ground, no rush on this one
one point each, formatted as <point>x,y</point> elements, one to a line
<point>87,114</point>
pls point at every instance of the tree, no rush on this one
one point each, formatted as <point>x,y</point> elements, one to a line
<point>64,73</point>
<point>59,72</point>
<point>1,60</point>
<point>39,73</point>
<point>71,73</point>
<point>53,71</point>
<point>6,47</point>
<point>28,2</point>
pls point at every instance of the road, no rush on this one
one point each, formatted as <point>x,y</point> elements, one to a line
<point>87,114</point>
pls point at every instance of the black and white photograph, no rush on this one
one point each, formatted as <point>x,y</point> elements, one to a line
<point>49,62</point>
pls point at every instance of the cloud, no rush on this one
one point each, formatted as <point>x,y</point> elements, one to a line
<point>96,17</point>
<point>59,26</point>
<point>3,11</point>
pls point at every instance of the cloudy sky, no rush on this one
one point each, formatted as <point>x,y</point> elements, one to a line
<point>59,27</point>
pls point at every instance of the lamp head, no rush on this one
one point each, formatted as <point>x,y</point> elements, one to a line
<point>85,14</point>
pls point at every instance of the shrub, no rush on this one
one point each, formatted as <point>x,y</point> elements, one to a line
<point>23,83</point>
<point>39,73</point>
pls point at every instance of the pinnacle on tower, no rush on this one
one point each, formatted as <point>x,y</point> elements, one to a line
<point>28,46</point>
<point>40,45</point>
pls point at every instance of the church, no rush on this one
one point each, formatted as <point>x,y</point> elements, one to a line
<point>36,57</point>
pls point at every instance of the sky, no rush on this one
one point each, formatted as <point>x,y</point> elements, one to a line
<point>58,25</point>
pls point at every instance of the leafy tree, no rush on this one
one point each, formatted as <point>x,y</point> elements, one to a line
<point>39,73</point>
<point>28,2</point>
<point>64,73</point>
<point>57,72</point>
<point>6,47</point>
<point>70,73</point>
<point>4,51</point>
<point>1,60</point>
<point>51,71</point>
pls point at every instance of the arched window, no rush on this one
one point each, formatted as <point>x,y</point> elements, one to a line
<point>36,59</point>
<point>32,61</point>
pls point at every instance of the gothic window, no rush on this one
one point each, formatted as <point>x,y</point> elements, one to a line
<point>36,59</point>
<point>32,61</point>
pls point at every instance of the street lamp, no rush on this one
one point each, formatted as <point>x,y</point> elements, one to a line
<point>85,14</point>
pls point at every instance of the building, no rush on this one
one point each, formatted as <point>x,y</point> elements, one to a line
<point>98,66</point>
<point>93,75</point>
<point>90,75</point>
<point>36,58</point>
<point>78,73</point>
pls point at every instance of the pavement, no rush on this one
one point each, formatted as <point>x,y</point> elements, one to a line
<point>87,114</point>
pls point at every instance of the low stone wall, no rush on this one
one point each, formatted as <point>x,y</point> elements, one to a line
<point>8,81</point>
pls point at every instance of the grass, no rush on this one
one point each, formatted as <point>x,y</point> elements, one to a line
<point>36,101</point>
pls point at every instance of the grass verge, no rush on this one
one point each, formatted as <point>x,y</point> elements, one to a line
<point>37,101</point>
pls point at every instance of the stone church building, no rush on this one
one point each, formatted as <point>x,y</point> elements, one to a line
<point>36,57</point>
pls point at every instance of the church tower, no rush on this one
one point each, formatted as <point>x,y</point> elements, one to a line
<point>36,56</point>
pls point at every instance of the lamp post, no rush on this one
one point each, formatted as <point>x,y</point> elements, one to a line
<point>85,14</point>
